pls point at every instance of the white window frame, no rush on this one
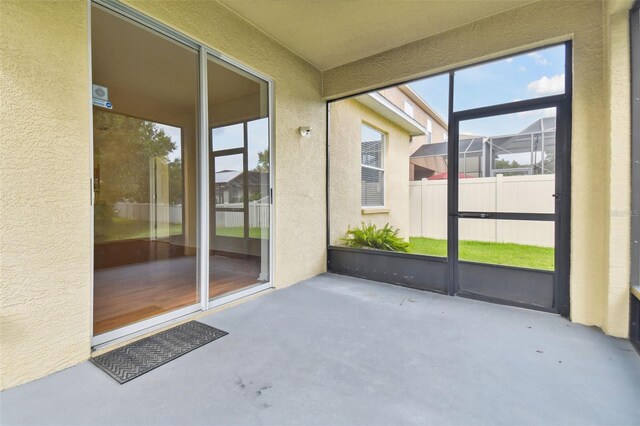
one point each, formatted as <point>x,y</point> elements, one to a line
<point>383,147</point>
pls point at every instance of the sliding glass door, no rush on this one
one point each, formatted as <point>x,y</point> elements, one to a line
<point>145,121</point>
<point>181,176</point>
<point>239,171</point>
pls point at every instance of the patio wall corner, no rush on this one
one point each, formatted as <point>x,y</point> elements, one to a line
<point>618,68</point>
<point>599,287</point>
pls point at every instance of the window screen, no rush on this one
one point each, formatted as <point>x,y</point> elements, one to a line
<point>372,148</point>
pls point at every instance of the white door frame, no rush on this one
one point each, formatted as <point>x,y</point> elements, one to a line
<point>202,152</point>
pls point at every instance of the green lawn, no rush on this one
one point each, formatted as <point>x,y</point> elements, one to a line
<point>484,252</point>
<point>128,229</point>
<point>239,232</point>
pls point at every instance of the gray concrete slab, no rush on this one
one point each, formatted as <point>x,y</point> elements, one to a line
<point>335,350</point>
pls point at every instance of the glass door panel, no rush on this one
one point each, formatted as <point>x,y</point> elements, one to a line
<point>506,220</point>
<point>144,146</point>
<point>228,183</point>
<point>239,179</point>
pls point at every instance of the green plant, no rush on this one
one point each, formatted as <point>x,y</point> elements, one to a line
<point>370,236</point>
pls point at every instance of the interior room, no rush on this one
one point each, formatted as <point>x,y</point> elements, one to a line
<point>146,231</point>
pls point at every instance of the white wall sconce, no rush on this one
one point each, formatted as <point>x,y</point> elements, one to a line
<point>305,132</point>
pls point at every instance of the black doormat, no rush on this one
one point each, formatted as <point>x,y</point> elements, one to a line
<point>135,359</point>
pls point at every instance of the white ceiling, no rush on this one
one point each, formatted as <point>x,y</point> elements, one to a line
<point>329,33</point>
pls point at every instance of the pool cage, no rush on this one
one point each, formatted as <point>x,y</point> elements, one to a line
<point>529,152</point>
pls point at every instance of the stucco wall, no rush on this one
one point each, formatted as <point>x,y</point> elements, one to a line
<point>534,25</point>
<point>398,98</point>
<point>616,302</point>
<point>45,216</point>
<point>346,210</point>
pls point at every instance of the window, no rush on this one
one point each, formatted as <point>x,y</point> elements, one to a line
<point>372,160</point>
<point>408,108</point>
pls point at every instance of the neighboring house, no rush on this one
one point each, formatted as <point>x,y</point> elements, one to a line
<point>372,138</point>
<point>436,127</point>
<point>230,186</point>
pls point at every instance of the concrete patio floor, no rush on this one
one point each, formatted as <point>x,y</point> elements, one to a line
<point>336,350</point>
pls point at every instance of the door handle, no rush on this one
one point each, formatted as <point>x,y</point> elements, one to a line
<point>473,215</point>
<point>557,196</point>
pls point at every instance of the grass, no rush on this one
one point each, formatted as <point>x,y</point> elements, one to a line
<point>128,229</point>
<point>239,232</point>
<point>508,254</point>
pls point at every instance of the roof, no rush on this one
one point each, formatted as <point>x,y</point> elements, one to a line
<point>225,176</point>
<point>432,149</point>
<point>255,178</point>
<point>388,110</point>
<point>407,90</point>
<point>514,143</point>
<point>445,175</point>
<point>546,123</point>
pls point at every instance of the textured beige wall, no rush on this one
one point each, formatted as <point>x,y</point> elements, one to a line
<point>347,118</point>
<point>45,217</point>
<point>616,302</point>
<point>535,25</point>
<point>397,97</point>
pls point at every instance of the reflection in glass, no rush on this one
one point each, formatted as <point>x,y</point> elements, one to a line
<point>239,179</point>
<point>228,181</point>
<point>227,137</point>
<point>138,178</point>
<point>145,246</point>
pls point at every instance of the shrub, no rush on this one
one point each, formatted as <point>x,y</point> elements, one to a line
<point>370,236</point>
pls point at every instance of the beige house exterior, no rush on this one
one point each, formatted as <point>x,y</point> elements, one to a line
<point>407,123</point>
<point>46,258</point>
<point>347,211</point>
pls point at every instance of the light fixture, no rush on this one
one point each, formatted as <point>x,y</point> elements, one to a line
<point>305,132</point>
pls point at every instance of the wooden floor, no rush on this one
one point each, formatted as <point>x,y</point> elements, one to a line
<point>127,294</point>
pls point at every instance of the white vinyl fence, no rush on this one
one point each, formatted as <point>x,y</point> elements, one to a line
<point>142,211</point>
<point>512,194</point>
<point>258,214</point>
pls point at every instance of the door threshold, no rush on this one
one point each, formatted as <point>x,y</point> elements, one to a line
<point>140,329</point>
<point>113,339</point>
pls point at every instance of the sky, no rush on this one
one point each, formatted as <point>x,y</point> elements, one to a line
<point>525,76</point>
<point>228,137</point>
